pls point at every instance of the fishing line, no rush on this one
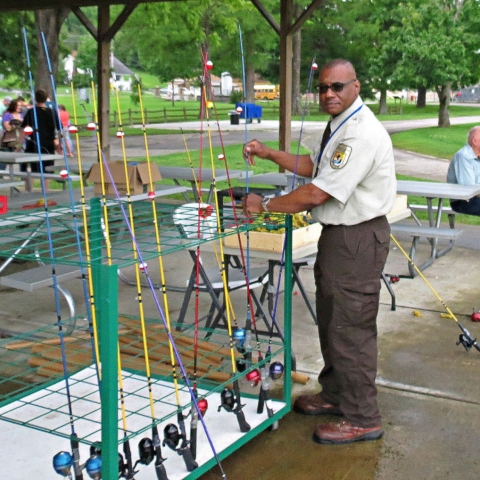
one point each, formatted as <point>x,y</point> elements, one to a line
<point>74,443</point>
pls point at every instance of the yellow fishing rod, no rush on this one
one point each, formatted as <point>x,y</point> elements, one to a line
<point>466,339</point>
<point>93,316</point>
<point>172,437</point>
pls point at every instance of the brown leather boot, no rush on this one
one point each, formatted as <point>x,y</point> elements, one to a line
<point>345,432</point>
<point>315,405</point>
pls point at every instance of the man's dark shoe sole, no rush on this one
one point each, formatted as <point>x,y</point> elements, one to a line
<point>363,438</point>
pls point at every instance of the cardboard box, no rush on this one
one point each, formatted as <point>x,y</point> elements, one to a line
<point>399,210</point>
<point>273,242</point>
<point>138,177</point>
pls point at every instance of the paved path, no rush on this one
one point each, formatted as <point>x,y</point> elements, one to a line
<point>407,163</point>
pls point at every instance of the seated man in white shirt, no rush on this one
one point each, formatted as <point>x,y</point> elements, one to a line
<point>464,169</point>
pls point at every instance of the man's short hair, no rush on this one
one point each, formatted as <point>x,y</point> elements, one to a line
<point>337,62</point>
<point>41,96</point>
<point>7,100</point>
<point>472,133</point>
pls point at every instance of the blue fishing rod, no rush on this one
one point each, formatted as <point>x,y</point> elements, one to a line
<point>63,461</point>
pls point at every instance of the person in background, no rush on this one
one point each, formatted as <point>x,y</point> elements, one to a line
<point>65,121</point>
<point>6,103</point>
<point>464,169</point>
<point>48,127</point>
<point>25,105</point>
<point>11,123</point>
<point>353,188</point>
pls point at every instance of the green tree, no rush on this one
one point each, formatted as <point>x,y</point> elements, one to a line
<point>436,43</point>
<point>13,64</point>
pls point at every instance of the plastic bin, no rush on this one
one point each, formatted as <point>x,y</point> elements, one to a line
<point>250,111</point>
<point>234,117</point>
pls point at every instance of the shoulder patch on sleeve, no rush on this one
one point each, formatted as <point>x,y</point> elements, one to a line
<point>340,156</point>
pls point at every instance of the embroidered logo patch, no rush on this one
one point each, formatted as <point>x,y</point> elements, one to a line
<point>340,156</point>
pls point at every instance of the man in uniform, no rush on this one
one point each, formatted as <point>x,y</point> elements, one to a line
<point>464,169</point>
<point>353,188</point>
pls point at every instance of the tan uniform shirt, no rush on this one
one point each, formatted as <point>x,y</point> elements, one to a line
<point>357,169</point>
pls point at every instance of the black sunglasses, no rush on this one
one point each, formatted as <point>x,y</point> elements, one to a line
<point>334,87</point>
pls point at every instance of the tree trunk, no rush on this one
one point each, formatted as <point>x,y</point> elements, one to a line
<point>48,22</point>
<point>444,93</point>
<point>173,93</point>
<point>296,66</point>
<point>249,82</point>
<point>422,97</point>
<point>382,106</point>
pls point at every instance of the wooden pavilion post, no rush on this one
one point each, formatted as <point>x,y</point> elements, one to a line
<point>104,78</point>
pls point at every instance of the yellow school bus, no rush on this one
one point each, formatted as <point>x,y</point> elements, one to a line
<point>266,92</point>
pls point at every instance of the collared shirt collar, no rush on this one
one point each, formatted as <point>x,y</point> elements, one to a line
<point>471,152</point>
<point>340,118</point>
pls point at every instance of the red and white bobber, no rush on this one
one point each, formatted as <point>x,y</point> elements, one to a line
<point>239,109</point>
<point>64,173</point>
<point>28,130</point>
<point>120,133</point>
<point>314,66</point>
<point>221,157</point>
<point>209,65</point>
<point>91,126</point>
<point>142,266</point>
<point>151,195</point>
<point>72,129</point>
<point>202,406</point>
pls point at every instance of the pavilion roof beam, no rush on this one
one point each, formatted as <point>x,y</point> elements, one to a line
<point>288,26</point>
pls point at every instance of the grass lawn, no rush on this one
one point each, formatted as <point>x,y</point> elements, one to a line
<point>434,141</point>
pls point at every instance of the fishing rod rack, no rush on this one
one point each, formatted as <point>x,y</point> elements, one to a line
<point>33,389</point>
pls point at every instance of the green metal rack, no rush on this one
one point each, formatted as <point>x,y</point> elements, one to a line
<point>29,363</point>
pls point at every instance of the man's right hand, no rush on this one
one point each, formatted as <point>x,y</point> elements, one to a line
<point>255,148</point>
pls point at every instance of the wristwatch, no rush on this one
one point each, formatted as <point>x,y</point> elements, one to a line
<point>265,204</point>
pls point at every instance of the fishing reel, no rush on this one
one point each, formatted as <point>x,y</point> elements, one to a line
<point>63,463</point>
<point>276,370</point>
<point>93,466</point>
<point>172,440</point>
<point>239,336</point>
<point>146,451</point>
<point>229,403</point>
<point>467,340</point>
<point>202,406</point>
<point>172,436</point>
<point>254,377</point>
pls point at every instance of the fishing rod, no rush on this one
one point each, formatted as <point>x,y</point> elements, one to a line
<point>74,443</point>
<point>92,318</point>
<point>227,395</point>
<point>163,318</point>
<point>466,339</point>
<point>184,449</point>
<point>125,466</point>
<point>193,412</point>
<point>242,336</point>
